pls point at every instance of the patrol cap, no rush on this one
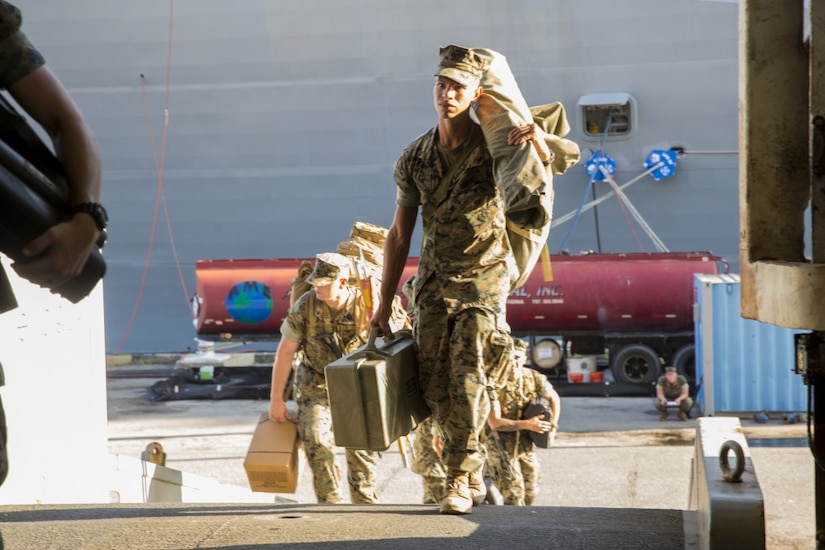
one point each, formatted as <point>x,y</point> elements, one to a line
<point>461,64</point>
<point>329,267</point>
<point>670,368</point>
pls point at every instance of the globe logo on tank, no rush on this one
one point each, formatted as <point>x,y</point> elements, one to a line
<point>249,302</point>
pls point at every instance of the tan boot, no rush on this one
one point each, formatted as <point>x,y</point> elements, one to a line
<point>457,496</point>
<point>478,489</point>
<point>682,416</point>
<point>663,416</point>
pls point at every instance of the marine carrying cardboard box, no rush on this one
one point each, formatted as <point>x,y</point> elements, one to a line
<point>274,460</point>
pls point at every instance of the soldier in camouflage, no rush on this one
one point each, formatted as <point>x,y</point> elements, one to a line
<point>62,250</point>
<point>427,444</point>
<point>672,391</point>
<point>511,455</point>
<point>326,323</point>
<point>463,279</point>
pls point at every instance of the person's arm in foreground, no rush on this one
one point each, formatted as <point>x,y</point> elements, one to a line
<point>60,253</point>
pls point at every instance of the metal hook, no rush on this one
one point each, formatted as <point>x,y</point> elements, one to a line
<point>735,475</point>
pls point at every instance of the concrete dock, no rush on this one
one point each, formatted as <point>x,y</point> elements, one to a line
<point>616,478</point>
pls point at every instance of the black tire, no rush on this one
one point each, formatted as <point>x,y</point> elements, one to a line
<point>685,362</point>
<point>635,364</point>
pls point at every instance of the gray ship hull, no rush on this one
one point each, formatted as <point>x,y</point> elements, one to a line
<point>263,129</point>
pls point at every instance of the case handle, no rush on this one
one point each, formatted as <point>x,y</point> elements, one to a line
<point>373,335</point>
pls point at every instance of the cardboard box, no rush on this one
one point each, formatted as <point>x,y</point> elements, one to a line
<point>275,457</point>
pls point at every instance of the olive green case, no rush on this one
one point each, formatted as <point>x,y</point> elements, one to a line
<point>374,393</point>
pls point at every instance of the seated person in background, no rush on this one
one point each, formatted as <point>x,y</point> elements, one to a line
<point>511,457</point>
<point>672,392</point>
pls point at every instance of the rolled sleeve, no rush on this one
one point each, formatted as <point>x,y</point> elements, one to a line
<point>407,194</point>
<point>18,56</point>
<point>290,332</point>
<point>294,326</point>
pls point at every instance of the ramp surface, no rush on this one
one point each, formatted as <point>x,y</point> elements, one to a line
<point>418,527</point>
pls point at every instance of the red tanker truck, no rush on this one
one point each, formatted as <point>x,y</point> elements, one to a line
<point>636,309</point>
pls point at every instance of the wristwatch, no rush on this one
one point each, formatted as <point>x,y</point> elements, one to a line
<point>98,214</point>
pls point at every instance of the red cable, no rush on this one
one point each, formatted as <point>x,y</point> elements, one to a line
<point>163,157</point>
<point>169,222</point>
<point>159,195</point>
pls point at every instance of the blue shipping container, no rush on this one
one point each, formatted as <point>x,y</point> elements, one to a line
<point>742,365</point>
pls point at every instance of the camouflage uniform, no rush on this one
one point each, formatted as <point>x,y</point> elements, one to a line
<point>671,392</point>
<point>427,463</point>
<point>426,460</point>
<point>336,333</point>
<point>460,290</point>
<point>518,483</point>
<point>18,58</point>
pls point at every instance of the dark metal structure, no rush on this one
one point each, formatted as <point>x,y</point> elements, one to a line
<point>782,189</point>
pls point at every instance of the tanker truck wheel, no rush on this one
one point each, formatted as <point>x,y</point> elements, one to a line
<point>685,362</point>
<point>636,364</point>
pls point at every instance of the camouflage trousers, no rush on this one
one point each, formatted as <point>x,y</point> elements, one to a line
<point>427,463</point>
<point>459,353</point>
<point>518,483</point>
<point>315,430</point>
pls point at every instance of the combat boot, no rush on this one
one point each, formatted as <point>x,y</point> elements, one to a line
<point>478,489</point>
<point>434,489</point>
<point>682,416</point>
<point>663,416</point>
<point>457,496</point>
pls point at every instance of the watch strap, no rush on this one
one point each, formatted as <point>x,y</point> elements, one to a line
<point>95,210</point>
